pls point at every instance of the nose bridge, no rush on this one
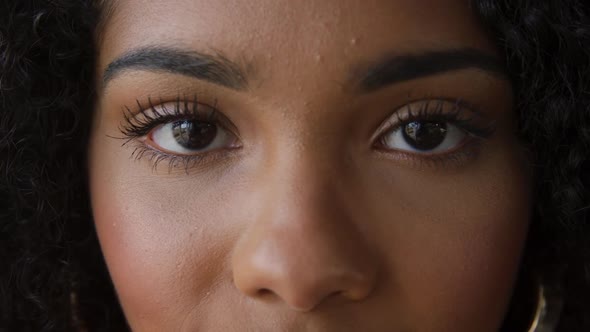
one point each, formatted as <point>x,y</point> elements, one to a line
<point>303,245</point>
<point>304,166</point>
<point>307,188</point>
<point>306,176</point>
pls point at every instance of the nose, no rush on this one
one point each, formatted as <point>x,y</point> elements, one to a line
<point>304,245</point>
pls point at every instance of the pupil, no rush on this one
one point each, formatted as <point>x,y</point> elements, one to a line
<point>194,135</point>
<point>424,135</point>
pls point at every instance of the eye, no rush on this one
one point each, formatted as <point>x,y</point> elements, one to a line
<point>424,136</point>
<point>189,137</point>
<point>433,127</point>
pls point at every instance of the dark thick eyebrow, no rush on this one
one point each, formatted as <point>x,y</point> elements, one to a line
<point>215,69</point>
<point>406,67</point>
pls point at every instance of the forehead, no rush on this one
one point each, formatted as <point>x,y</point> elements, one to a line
<point>285,31</point>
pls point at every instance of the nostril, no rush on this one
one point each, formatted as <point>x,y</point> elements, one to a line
<point>338,294</point>
<point>264,292</point>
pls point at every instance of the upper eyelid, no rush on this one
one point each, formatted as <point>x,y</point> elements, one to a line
<point>460,106</point>
<point>178,102</point>
<point>137,122</point>
<point>182,107</point>
<point>167,109</point>
<point>396,114</point>
<point>171,109</point>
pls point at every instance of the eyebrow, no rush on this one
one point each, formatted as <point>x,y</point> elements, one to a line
<point>407,67</point>
<point>215,69</point>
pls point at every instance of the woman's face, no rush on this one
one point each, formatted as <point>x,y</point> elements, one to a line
<point>333,165</point>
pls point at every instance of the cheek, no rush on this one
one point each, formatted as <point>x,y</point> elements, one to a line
<point>163,243</point>
<point>450,241</point>
<point>162,263</point>
<point>453,241</point>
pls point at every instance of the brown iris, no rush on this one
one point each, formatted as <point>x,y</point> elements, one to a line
<point>194,135</point>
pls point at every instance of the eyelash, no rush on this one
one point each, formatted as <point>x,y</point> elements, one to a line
<point>457,116</point>
<point>135,128</point>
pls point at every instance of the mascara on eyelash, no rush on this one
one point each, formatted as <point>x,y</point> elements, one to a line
<point>138,126</point>
<point>455,117</point>
<point>140,123</point>
<point>440,112</point>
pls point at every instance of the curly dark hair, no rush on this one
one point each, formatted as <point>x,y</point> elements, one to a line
<point>52,275</point>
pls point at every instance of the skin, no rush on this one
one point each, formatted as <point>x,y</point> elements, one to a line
<point>306,224</point>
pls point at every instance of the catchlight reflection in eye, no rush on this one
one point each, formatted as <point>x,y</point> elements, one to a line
<point>190,137</point>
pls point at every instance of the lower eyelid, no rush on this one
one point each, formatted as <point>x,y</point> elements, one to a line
<point>145,152</point>
<point>464,153</point>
